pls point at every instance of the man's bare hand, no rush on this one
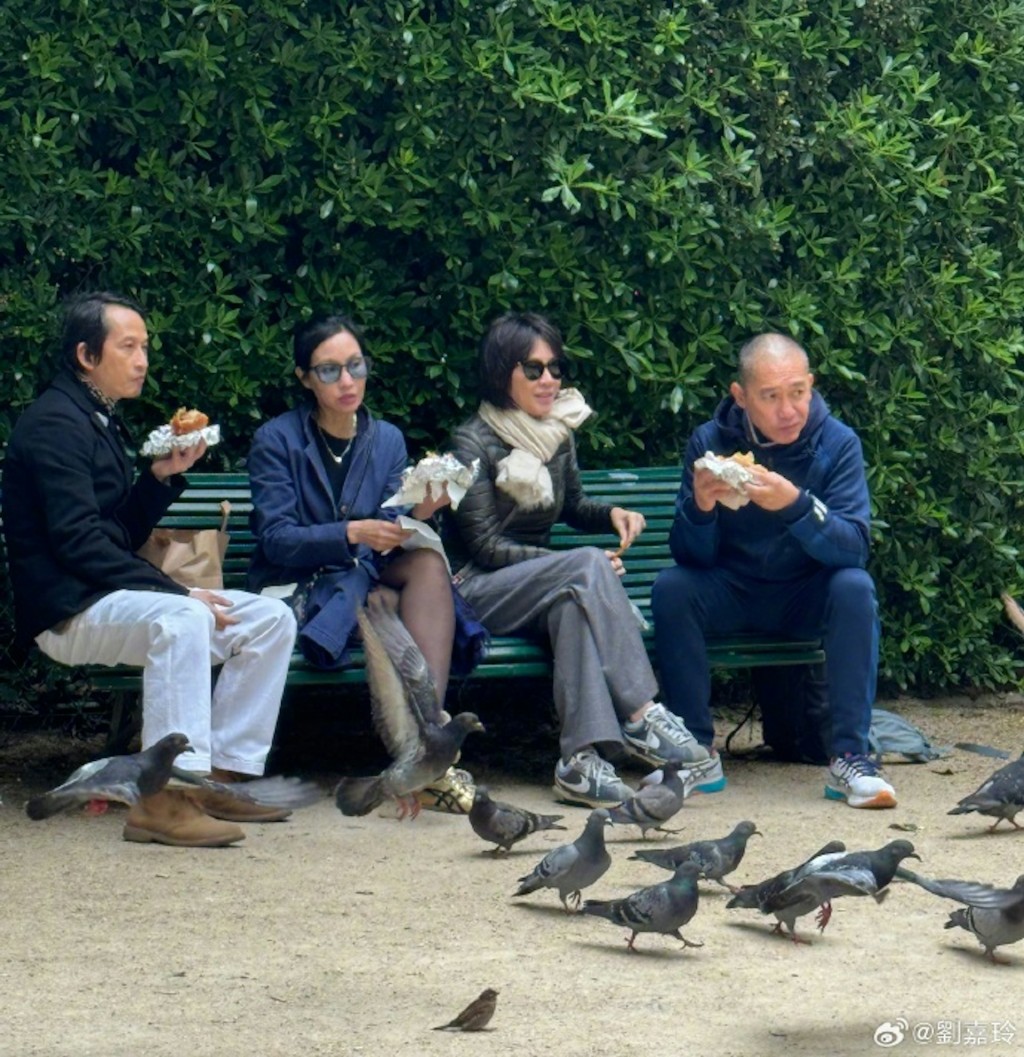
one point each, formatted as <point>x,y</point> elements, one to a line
<point>178,460</point>
<point>377,533</point>
<point>217,604</point>
<point>709,490</point>
<point>771,491</point>
<point>628,524</point>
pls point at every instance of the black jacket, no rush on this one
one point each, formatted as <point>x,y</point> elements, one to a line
<point>488,529</point>
<point>73,517</point>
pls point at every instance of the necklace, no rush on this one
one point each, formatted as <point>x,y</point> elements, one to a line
<point>326,438</point>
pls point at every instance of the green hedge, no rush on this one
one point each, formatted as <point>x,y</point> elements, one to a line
<point>661,179</point>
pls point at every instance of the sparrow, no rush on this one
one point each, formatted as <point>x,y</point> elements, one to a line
<point>476,1016</point>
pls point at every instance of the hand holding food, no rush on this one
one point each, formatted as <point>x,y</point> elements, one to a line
<point>729,476</point>
<point>186,429</point>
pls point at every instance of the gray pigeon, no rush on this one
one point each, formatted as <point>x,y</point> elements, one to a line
<point>406,714</point>
<point>124,779</point>
<point>503,824</point>
<point>660,796</point>
<point>859,873</point>
<point>572,867</point>
<point>994,915</point>
<point>716,858</point>
<point>664,907</point>
<point>277,794</point>
<point>1001,796</point>
<point>765,896</point>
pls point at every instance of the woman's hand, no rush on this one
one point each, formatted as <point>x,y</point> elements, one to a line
<point>216,604</point>
<point>178,460</point>
<point>377,533</point>
<point>426,508</point>
<point>628,524</point>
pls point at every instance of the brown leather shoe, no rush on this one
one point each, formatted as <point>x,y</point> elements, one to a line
<point>172,817</point>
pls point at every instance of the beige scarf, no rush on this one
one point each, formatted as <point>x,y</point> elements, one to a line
<point>522,474</point>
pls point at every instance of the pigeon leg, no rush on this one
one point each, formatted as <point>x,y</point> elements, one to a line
<point>798,939</point>
<point>690,943</point>
<point>629,943</point>
<point>996,960</point>
<point>96,807</point>
<point>576,899</point>
<point>824,916</point>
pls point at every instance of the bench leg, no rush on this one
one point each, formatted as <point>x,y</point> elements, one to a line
<point>124,722</point>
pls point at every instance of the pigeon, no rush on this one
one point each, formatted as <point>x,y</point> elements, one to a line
<point>660,796</point>
<point>572,867</point>
<point>125,779</point>
<point>664,907</point>
<point>716,858</point>
<point>406,714</point>
<point>765,896</point>
<point>859,873</point>
<point>1001,796</point>
<point>503,824</point>
<point>476,1016</point>
<point>994,915</point>
<point>279,794</point>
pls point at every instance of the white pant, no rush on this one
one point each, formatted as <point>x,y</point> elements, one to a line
<point>174,640</point>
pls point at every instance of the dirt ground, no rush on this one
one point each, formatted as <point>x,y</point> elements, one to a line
<point>331,936</point>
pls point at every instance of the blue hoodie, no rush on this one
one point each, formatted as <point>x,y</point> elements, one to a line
<point>827,526</point>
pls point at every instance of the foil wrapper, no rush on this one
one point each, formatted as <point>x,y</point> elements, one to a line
<point>163,440</point>
<point>733,473</point>
<point>435,470</point>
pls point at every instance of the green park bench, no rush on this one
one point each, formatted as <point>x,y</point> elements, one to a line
<point>651,491</point>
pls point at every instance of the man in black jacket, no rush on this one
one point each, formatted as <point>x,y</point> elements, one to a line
<point>74,515</point>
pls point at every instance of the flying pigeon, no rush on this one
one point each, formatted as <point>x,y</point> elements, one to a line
<point>1001,796</point>
<point>406,714</point>
<point>660,796</point>
<point>859,873</point>
<point>664,907</point>
<point>994,915</point>
<point>476,1016</point>
<point>572,867</point>
<point>765,896</point>
<point>716,858</point>
<point>125,779</point>
<point>503,824</point>
<point>276,795</point>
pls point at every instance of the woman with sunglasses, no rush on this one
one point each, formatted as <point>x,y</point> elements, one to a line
<point>320,474</point>
<point>604,687</point>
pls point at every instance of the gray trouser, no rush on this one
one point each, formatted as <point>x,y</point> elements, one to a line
<point>602,674</point>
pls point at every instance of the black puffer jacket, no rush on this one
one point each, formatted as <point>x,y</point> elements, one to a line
<point>489,530</point>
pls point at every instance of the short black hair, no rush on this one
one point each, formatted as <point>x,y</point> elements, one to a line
<point>318,330</point>
<point>508,342</point>
<point>85,320</point>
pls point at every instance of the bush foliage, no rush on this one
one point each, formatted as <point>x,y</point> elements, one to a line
<point>661,179</point>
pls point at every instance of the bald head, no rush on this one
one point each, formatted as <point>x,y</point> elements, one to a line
<point>769,348</point>
<point>775,387</point>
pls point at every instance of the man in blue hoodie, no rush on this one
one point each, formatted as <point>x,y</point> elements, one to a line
<point>789,558</point>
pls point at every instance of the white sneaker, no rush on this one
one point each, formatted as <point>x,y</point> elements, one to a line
<point>708,774</point>
<point>587,779</point>
<point>858,780</point>
<point>660,736</point>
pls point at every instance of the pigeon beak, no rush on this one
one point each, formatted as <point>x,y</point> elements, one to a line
<point>479,726</point>
<point>914,855</point>
<point>188,748</point>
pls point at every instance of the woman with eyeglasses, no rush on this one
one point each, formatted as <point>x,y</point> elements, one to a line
<point>320,474</point>
<point>604,686</point>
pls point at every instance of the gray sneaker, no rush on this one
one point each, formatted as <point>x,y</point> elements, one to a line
<point>659,736</point>
<point>588,780</point>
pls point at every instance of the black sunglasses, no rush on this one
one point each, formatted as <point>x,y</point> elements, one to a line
<point>328,373</point>
<point>534,369</point>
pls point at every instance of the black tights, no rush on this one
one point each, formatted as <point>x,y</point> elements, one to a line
<point>426,608</point>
